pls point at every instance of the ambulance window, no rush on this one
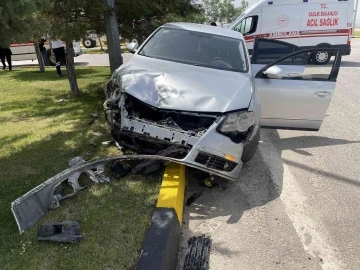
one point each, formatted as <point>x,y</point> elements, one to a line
<point>247,26</point>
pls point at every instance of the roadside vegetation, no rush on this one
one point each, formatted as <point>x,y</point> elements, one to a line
<point>42,126</point>
<point>357,33</point>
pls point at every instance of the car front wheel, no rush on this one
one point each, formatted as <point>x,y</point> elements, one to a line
<point>251,148</point>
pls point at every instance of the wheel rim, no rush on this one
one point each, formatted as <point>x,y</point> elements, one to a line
<point>87,43</point>
<point>322,57</point>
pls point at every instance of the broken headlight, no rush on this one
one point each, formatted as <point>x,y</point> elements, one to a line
<point>238,122</point>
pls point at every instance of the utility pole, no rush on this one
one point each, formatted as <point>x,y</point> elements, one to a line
<point>112,36</point>
<point>356,10</point>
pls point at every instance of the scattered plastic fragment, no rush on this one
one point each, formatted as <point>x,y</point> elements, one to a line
<point>60,231</point>
<point>198,253</point>
<point>97,134</point>
<point>108,143</point>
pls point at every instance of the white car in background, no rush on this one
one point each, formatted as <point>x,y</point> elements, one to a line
<point>26,51</point>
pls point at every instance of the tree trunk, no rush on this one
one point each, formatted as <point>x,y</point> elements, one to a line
<point>39,56</point>
<point>112,36</point>
<point>101,46</point>
<point>70,68</point>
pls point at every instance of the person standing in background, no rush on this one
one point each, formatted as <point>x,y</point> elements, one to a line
<point>5,53</point>
<point>59,52</point>
<point>43,51</point>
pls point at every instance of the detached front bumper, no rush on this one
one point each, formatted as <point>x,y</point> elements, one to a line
<point>32,206</point>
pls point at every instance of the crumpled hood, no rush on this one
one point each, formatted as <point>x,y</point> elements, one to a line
<point>175,86</point>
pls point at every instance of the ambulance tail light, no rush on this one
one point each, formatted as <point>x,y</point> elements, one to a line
<point>349,38</point>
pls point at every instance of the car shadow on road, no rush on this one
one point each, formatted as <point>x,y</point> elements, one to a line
<point>350,64</point>
<point>298,144</point>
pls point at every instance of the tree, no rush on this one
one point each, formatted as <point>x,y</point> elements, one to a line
<point>222,11</point>
<point>139,18</point>
<point>39,56</point>
<point>70,20</point>
<point>21,21</point>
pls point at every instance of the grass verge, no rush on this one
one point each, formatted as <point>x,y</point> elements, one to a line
<point>357,32</point>
<point>37,136</point>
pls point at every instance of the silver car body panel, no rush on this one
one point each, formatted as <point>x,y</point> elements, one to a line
<point>175,86</point>
<point>286,104</point>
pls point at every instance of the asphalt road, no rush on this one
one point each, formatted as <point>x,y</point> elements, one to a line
<point>297,203</point>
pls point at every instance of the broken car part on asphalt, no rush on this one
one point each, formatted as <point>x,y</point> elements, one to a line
<point>60,231</point>
<point>29,208</point>
<point>198,253</point>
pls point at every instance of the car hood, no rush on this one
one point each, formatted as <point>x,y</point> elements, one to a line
<point>175,86</point>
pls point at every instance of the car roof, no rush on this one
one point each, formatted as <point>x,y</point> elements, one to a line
<point>209,29</point>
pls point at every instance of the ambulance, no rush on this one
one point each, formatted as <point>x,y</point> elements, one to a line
<point>26,51</point>
<point>304,23</point>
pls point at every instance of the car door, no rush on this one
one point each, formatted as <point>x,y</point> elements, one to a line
<point>293,93</point>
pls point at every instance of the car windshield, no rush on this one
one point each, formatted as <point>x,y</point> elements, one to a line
<point>197,48</point>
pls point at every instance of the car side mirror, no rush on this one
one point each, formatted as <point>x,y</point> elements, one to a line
<point>274,72</point>
<point>132,47</point>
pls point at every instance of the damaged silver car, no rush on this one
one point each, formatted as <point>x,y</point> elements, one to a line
<point>194,88</point>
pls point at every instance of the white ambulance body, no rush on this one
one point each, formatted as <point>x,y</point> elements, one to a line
<point>26,51</point>
<point>305,23</point>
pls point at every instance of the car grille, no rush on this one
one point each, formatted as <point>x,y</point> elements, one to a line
<point>215,162</point>
<point>168,118</point>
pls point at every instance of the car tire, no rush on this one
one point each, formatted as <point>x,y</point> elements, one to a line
<point>88,43</point>
<point>251,148</point>
<point>321,58</point>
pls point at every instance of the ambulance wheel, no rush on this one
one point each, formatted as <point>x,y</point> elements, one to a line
<point>321,58</point>
<point>88,43</point>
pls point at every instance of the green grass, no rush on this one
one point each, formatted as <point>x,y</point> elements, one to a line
<point>37,136</point>
<point>357,33</point>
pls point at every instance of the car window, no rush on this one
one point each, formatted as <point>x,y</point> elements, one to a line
<point>302,70</point>
<point>197,48</point>
<point>267,51</point>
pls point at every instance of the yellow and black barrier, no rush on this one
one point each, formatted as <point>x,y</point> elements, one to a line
<point>161,244</point>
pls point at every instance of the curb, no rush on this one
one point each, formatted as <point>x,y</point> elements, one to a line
<point>161,244</point>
